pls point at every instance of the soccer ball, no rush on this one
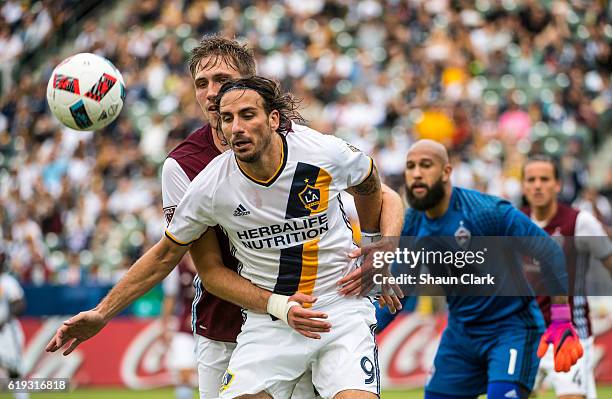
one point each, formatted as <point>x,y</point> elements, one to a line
<point>85,92</point>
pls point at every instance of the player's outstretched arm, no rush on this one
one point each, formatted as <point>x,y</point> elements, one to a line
<point>148,271</point>
<point>228,285</point>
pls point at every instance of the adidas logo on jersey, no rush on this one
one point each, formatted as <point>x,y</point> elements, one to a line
<point>241,211</point>
<point>511,394</point>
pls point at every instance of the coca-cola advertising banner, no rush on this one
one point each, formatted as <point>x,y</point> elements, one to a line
<point>129,352</point>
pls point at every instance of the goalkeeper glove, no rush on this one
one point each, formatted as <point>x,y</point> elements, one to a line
<point>561,333</point>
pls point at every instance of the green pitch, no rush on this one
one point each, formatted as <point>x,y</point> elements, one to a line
<point>604,392</point>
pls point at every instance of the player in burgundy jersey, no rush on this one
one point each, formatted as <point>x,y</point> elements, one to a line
<point>582,237</point>
<point>215,323</point>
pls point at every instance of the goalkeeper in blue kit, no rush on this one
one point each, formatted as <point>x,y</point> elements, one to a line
<point>491,342</point>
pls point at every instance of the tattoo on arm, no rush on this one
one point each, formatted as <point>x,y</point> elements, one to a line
<point>369,186</point>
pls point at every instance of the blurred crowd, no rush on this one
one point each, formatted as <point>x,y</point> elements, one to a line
<point>25,26</point>
<point>493,80</point>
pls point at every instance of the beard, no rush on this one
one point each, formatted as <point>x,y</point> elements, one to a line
<point>434,195</point>
<point>257,152</point>
<point>249,158</point>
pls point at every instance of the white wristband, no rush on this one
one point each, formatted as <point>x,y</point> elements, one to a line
<point>279,306</point>
<point>370,238</point>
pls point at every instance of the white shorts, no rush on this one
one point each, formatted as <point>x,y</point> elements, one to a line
<point>272,357</point>
<point>580,380</point>
<point>213,358</point>
<point>304,388</point>
<point>181,355</point>
<point>11,344</point>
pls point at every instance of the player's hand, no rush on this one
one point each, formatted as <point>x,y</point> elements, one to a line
<point>392,302</point>
<point>76,330</point>
<point>561,333</point>
<point>306,321</point>
<point>361,280</point>
<point>355,284</point>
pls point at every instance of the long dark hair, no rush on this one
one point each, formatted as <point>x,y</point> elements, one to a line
<point>274,99</point>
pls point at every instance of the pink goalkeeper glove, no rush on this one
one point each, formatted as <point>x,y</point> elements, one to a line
<point>562,335</point>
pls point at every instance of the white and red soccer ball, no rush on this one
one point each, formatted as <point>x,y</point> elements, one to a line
<point>86,92</point>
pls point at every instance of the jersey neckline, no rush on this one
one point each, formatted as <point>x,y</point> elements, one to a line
<point>279,171</point>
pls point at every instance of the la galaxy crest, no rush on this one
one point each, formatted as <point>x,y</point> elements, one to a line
<point>226,381</point>
<point>463,236</point>
<point>310,197</point>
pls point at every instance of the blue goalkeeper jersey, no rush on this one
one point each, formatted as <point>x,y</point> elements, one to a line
<point>476,214</point>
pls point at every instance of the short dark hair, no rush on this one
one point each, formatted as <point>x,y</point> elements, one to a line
<point>273,96</point>
<point>238,56</point>
<point>543,158</point>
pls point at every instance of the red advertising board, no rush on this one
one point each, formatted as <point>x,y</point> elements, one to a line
<point>129,352</point>
<point>126,352</point>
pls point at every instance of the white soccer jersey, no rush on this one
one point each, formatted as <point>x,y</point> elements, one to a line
<point>290,233</point>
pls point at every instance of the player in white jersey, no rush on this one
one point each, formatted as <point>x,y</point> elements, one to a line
<point>225,283</point>
<point>276,195</point>
<point>12,304</point>
<point>298,206</point>
<point>216,322</point>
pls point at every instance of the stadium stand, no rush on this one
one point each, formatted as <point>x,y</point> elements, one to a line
<point>492,80</point>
